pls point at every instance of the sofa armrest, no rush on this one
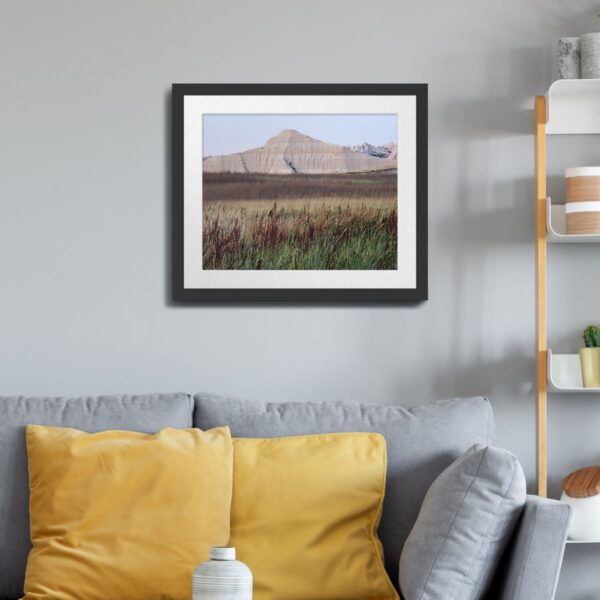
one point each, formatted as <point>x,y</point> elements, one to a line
<point>532,562</point>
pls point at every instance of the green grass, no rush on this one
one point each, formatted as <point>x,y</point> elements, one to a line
<point>323,238</point>
<point>300,222</point>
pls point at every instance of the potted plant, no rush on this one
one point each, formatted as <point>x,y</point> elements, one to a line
<point>590,357</point>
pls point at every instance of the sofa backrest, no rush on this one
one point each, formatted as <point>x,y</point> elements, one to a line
<point>421,443</point>
<point>134,413</point>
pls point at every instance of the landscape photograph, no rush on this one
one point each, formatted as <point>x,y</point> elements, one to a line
<point>299,192</point>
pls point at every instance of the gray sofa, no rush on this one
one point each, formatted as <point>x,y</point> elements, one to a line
<point>421,443</point>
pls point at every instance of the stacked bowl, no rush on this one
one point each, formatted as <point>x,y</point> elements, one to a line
<point>582,209</point>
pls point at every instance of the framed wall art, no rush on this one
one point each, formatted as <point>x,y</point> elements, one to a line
<point>299,193</point>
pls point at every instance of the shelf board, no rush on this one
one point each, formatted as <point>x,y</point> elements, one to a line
<point>557,229</point>
<point>583,542</point>
<point>573,106</point>
<point>564,374</point>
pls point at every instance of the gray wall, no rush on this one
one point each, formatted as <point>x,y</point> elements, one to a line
<point>84,195</point>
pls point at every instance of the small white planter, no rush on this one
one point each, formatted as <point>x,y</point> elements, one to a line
<point>222,577</point>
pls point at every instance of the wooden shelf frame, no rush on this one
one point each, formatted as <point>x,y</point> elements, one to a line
<point>541,335</point>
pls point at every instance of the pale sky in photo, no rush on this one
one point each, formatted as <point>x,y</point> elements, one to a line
<point>229,133</point>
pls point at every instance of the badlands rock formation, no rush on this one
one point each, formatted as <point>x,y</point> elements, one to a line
<point>386,151</point>
<point>293,152</point>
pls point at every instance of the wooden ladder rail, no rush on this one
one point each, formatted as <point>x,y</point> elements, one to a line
<point>541,299</point>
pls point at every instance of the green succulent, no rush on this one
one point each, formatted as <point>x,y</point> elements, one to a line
<point>591,337</point>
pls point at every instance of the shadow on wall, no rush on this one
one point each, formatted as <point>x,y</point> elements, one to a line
<point>512,79</point>
<point>555,485</point>
<point>555,188</point>
<point>578,579</point>
<point>501,213</point>
<point>492,223</point>
<point>510,376</point>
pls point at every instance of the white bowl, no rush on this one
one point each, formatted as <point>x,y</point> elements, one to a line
<point>585,521</point>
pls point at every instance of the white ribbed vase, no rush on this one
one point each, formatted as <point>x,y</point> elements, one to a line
<point>222,577</point>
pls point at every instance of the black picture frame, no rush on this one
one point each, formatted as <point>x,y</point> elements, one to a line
<point>300,295</point>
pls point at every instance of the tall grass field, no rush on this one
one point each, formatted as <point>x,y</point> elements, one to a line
<point>300,222</point>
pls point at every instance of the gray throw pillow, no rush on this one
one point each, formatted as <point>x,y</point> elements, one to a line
<point>466,520</point>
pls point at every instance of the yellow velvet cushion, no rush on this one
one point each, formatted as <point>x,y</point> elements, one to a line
<point>124,516</point>
<point>305,513</point>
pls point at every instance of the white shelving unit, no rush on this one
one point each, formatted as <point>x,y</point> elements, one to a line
<point>573,107</point>
<point>557,230</point>
<point>568,107</point>
<point>564,374</point>
<point>564,377</point>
